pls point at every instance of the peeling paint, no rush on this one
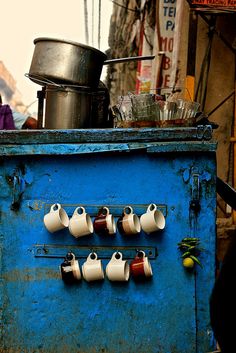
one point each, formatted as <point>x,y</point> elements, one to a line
<point>186,175</point>
<point>36,205</point>
<point>30,274</point>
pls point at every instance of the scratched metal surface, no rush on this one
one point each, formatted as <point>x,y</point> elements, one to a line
<point>168,314</point>
<point>200,133</point>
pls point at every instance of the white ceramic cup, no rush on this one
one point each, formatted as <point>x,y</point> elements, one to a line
<point>153,220</point>
<point>92,268</point>
<point>56,219</point>
<point>80,223</point>
<point>117,269</point>
<point>129,223</point>
<point>75,268</point>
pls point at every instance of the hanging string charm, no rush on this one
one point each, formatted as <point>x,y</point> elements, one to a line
<point>191,250</point>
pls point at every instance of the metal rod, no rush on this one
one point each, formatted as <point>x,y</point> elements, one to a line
<point>234,155</point>
<point>221,103</point>
<point>92,22</point>
<point>99,23</point>
<point>218,33</point>
<point>86,22</point>
<point>131,58</point>
<point>40,96</point>
<point>226,192</point>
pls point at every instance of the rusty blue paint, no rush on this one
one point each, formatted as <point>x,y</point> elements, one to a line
<point>67,149</point>
<point>184,147</point>
<point>169,313</point>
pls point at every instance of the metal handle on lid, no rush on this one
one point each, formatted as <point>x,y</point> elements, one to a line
<point>131,58</point>
<point>45,81</point>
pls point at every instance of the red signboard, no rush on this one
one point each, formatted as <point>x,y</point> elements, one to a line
<point>215,3</point>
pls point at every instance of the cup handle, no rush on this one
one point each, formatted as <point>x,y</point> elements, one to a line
<point>55,207</point>
<point>152,207</point>
<point>79,211</point>
<point>70,254</point>
<point>117,256</point>
<point>128,210</point>
<point>92,257</point>
<point>103,211</point>
<point>140,252</point>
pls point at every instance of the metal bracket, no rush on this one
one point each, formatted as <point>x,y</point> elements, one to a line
<point>115,210</point>
<point>195,198</point>
<point>103,252</point>
<point>18,184</point>
<point>204,132</point>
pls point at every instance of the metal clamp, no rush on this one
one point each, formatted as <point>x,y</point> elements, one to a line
<point>18,184</point>
<point>195,197</point>
<point>204,132</point>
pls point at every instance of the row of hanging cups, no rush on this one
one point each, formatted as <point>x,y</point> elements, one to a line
<point>80,224</point>
<point>117,269</point>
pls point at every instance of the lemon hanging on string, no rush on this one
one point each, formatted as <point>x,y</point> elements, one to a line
<point>188,262</point>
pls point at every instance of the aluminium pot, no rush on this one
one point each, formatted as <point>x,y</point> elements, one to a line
<point>100,117</point>
<point>66,62</point>
<point>67,108</point>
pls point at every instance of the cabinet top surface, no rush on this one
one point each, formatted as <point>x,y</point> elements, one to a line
<point>121,135</point>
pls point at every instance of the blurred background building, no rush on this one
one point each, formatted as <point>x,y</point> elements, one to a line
<point>9,92</point>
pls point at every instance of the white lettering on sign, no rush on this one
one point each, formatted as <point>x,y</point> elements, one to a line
<point>167,11</point>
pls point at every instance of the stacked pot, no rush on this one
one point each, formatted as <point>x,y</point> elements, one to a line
<point>75,97</point>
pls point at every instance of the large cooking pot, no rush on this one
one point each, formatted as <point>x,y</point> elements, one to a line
<point>67,108</point>
<point>66,62</point>
<point>76,108</point>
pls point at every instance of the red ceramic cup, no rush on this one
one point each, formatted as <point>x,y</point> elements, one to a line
<point>104,222</point>
<point>140,267</point>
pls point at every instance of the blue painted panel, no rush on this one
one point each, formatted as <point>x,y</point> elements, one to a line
<point>168,314</point>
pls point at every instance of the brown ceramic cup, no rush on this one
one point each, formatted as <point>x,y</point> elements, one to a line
<point>140,267</point>
<point>128,223</point>
<point>70,270</point>
<point>104,223</point>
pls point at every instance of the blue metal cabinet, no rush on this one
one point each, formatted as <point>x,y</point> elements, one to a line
<point>173,168</point>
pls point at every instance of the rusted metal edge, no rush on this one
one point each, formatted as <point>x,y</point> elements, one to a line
<point>105,135</point>
<point>195,146</point>
<point>73,149</point>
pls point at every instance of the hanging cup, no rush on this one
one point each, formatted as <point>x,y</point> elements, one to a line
<point>117,269</point>
<point>92,268</point>
<point>153,220</point>
<point>80,223</point>
<point>70,270</point>
<point>140,267</point>
<point>128,223</point>
<point>56,219</point>
<point>104,223</point>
